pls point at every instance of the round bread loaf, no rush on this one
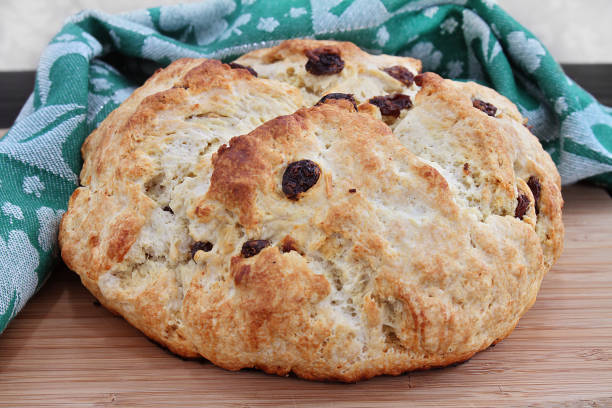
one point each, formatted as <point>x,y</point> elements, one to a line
<point>402,222</point>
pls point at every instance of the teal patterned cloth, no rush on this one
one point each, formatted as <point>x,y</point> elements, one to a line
<point>98,59</point>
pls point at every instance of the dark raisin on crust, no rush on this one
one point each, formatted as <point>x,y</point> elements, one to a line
<point>288,247</point>
<point>536,189</point>
<point>200,246</point>
<point>522,206</point>
<point>253,246</point>
<point>337,95</point>
<point>391,105</point>
<point>400,73</point>
<point>288,244</point>
<point>299,177</point>
<point>486,107</point>
<point>352,190</point>
<point>419,79</point>
<point>324,61</point>
<point>168,209</point>
<point>234,65</point>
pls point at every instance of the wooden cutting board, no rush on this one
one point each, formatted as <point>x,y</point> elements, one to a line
<point>63,350</point>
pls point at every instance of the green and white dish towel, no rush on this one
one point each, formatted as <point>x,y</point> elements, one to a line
<point>98,59</point>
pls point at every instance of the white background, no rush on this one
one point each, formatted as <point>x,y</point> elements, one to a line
<point>578,31</point>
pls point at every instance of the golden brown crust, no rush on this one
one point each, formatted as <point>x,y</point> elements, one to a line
<point>404,254</point>
<point>500,153</point>
<point>297,48</point>
<point>428,320</point>
<point>363,74</point>
<point>194,104</point>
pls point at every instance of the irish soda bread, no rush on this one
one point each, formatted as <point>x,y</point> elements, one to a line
<point>311,208</point>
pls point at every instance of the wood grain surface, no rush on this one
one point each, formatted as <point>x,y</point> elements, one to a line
<point>65,350</point>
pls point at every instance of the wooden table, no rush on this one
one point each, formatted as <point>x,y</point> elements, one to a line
<point>63,349</point>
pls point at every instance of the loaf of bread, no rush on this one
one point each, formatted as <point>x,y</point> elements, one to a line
<point>314,209</point>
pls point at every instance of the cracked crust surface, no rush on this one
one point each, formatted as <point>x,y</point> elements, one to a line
<point>362,74</point>
<point>405,253</point>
